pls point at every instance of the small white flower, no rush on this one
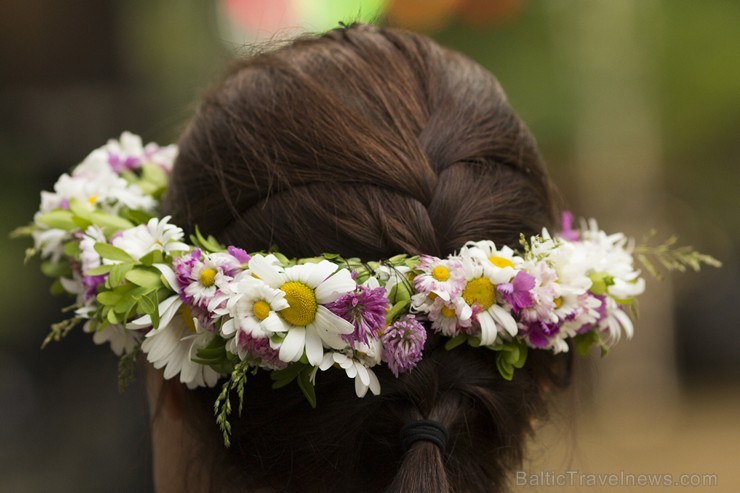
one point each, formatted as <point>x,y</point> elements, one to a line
<point>89,257</point>
<point>157,234</point>
<point>253,307</point>
<point>500,264</point>
<point>121,340</point>
<point>50,242</point>
<point>363,376</point>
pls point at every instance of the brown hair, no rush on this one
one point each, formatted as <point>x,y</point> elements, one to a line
<point>368,142</point>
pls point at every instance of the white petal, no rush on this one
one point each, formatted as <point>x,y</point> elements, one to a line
<point>326,320</point>
<point>273,323</point>
<point>292,347</point>
<point>362,374</point>
<point>360,388</point>
<point>314,348</point>
<point>488,330</point>
<point>318,273</point>
<point>190,371</point>
<point>504,318</point>
<point>335,286</point>
<point>228,328</point>
<point>624,319</point>
<point>374,383</point>
<point>267,272</point>
<point>169,276</point>
<point>327,361</point>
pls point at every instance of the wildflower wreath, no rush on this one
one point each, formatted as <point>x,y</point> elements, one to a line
<point>202,311</point>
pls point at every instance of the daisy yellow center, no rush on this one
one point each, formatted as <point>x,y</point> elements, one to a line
<point>501,262</point>
<point>187,318</point>
<point>261,309</point>
<point>480,291</point>
<point>447,312</point>
<point>302,301</point>
<point>208,277</point>
<point>92,199</point>
<point>558,302</point>
<point>441,273</point>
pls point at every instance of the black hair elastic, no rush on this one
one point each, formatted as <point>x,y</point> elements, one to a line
<point>424,430</point>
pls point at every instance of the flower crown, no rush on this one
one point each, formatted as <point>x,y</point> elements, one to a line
<point>202,311</point>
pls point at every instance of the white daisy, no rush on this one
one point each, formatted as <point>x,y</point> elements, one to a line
<point>500,264</point>
<point>253,307</point>
<point>173,347</point>
<point>443,277</point>
<point>308,287</point>
<point>157,234</point>
<point>480,295</point>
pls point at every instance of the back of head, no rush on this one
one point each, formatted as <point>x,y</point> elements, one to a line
<point>368,142</point>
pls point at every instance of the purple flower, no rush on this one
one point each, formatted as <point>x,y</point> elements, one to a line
<point>402,344</point>
<point>540,333</point>
<point>91,284</point>
<point>183,271</point>
<point>518,292</point>
<point>364,308</point>
<point>259,349</point>
<point>239,254</point>
<point>120,163</point>
<point>567,232</point>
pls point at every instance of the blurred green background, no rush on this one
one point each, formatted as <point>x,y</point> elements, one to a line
<point>636,106</point>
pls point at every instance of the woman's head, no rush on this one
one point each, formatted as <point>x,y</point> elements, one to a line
<point>367,142</point>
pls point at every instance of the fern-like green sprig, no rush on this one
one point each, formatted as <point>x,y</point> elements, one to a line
<point>670,257</point>
<point>60,329</point>
<point>222,407</point>
<point>127,368</point>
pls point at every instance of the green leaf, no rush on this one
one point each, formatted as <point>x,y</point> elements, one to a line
<point>135,216</point>
<point>153,179</point>
<point>118,272</point>
<point>583,342</point>
<point>512,355</point>
<point>109,298</point>
<point>113,253</point>
<point>151,258</point>
<point>209,244</point>
<point>109,222</point>
<point>398,309</point>
<point>283,377</point>
<point>99,271</point>
<point>456,341</point>
<point>124,306</point>
<point>57,219</point>
<point>145,278</point>
<point>504,368</point>
<point>523,353</point>
<point>81,208</point>
<point>150,307</point>
<point>72,249</point>
<point>304,382</point>
<point>22,231</point>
